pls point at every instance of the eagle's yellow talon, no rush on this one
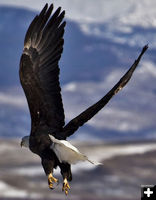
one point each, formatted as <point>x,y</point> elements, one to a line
<point>51,186</point>
<point>52,180</point>
<point>66,186</point>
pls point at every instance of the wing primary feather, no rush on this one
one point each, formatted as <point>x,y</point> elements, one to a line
<point>57,21</point>
<point>47,15</point>
<point>44,10</point>
<point>53,18</point>
<point>51,35</point>
<point>42,24</point>
<point>33,24</point>
<point>78,121</point>
<point>29,31</point>
<point>52,45</point>
<point>39,25</point>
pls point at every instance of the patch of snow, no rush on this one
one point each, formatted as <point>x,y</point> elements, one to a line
<point>29,171</point>
<point>130,12</point>
<point>8,191</point>
<point>120,18</point>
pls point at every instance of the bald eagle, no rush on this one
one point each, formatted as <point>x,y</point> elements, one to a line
<point>39,77</point>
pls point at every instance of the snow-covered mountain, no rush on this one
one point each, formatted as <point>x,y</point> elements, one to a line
<point>99,48</point>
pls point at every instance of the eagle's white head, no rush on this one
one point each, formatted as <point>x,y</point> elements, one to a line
<point>25,141</point>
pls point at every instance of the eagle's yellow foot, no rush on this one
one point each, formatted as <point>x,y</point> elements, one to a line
<point>51,181</point>
<point>66,186</point>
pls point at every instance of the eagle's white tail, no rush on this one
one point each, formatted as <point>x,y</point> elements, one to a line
<point>91,161</point>
<point>66,152</point>
<point>94,162</point>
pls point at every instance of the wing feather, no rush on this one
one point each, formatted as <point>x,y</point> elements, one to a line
<point>78,121</point>
<point>39,69</point>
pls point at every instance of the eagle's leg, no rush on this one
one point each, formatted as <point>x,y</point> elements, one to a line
<point>48,166</point>
<point>52,180</point>
<point>67,176</point>
<point>66,186</point>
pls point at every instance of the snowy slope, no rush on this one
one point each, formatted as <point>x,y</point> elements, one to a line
<point>119,16</point>
<point>130,12</point>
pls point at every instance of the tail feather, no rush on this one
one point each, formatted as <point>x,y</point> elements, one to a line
<point>84,157</point>
<point>67,152</point>
<point>94,162</point>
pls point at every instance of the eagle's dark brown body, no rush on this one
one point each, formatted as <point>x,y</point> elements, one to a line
<point>39,76</point>
<point>40,144</point>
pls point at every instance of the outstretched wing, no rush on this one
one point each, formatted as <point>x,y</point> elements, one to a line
<point>39,70</point>
<point>75,123</point>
